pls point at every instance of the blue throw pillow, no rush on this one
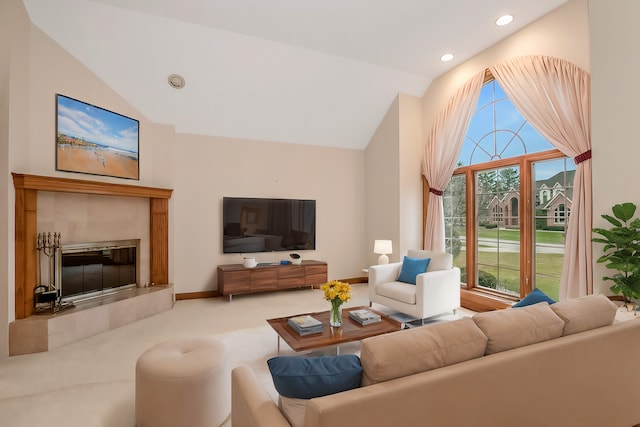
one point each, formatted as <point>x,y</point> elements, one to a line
<point>534,297</point>
<point>411,267</point>
<point>309,377</point>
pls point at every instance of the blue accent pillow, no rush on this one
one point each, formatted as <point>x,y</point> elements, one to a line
<point>309,377</point>
<point>534,297</point>
<point>411,267</point>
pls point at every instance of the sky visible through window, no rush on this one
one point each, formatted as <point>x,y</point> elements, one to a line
<point>498,131</point>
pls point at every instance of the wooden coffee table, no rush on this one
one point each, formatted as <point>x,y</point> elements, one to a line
<point>349,331</point>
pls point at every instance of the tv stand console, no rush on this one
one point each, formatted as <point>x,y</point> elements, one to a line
<point>235,279</point>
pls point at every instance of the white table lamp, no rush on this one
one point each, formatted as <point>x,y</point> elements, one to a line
<point>382,247</point>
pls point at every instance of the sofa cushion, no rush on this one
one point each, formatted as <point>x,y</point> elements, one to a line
<point>512,328</point>
<point>534,297</point>
<point>439,260</point>
<point>411,267</point>
<point>293,410</point>
<point>398,291</point>
<point>582,314</point>
<point>309,377</point>
<point>407,352</point>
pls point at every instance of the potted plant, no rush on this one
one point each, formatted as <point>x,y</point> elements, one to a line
<point>622,251</point>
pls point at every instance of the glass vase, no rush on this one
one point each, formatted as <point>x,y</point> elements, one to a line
<point>335,315</point>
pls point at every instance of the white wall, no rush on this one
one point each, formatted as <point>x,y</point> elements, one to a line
<point>52,70</point>
<point>383,186</point>
<point>393,176</point>
<point>615,61</point>
<point>32,70</point>
<point>5,226</point>
<point>15,111</point>
<point>410,175</point>
<point>201,170</point>
<point>209,168</point>
<point>563,33</point>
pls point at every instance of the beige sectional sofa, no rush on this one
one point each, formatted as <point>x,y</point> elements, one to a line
<point>565,364</point>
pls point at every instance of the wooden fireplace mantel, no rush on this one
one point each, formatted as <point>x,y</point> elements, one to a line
<point>26,209</point>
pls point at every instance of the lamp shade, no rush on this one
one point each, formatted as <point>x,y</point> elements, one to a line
<point>382,247</point>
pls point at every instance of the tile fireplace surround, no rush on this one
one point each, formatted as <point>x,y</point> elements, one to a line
<point>26,220</point>
<point>43,332</point>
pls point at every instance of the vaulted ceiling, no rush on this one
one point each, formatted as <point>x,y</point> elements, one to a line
<point>318,72</point>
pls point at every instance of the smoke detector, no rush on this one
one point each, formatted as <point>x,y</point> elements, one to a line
<point>176,81</point>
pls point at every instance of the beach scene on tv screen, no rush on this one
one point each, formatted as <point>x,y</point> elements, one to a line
<point>95,141</point>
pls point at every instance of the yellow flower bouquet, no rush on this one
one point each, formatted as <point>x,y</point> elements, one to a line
<point>337,293</point>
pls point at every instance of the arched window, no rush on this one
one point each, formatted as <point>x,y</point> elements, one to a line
<point>545,196</point>
<point>504,158</point>
<point>560,214</point>
<point>497,214</point>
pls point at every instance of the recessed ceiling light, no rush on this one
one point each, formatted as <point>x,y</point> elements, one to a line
<point>176,81</point>
<point>446,57</point>
<point>504,20</point>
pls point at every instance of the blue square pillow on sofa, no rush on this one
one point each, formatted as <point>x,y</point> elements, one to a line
<point>534,297</point>
<point>411,267</point>
<point>309,377</point>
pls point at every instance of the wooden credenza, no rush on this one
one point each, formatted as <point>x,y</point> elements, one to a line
<point>234,279</point>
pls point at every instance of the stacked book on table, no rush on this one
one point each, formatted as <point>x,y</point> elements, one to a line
<point>305,325</point>
<point>364,316</point>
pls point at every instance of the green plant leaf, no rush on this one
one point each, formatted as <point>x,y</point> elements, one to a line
<point>624,211</point>
<point>612,220</point>
<point>621,251</point>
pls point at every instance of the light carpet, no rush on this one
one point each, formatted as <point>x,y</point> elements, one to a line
<point>91,383</point>
<point>105,398</point>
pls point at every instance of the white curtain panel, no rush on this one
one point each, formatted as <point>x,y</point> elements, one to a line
<point>441,152</point>
<point>554,96</point>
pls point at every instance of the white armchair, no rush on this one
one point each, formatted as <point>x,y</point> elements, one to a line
<point>436,292</point>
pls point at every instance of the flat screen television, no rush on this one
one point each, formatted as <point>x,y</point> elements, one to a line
<point>268,225</point>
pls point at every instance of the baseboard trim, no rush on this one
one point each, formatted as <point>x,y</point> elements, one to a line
<point>355,280</point>
<point>196,295</point>
<point>215,294</point>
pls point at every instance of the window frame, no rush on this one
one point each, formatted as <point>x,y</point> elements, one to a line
<point>526,226</point>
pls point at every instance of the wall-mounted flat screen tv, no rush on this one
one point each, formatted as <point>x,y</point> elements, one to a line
<point>268,225</point>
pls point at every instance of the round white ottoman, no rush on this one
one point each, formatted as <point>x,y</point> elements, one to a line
<point>183,382</point>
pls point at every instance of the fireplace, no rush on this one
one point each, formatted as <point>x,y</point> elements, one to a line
<point>28,213</point>
<point>89,270</point>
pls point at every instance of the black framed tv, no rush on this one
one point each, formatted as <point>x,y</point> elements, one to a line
<point>253,225</point>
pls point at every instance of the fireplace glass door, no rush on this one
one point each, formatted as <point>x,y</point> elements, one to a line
<point>90,270</point>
